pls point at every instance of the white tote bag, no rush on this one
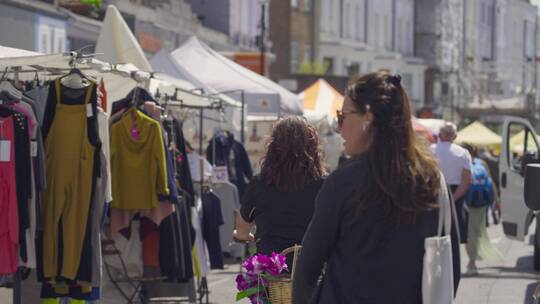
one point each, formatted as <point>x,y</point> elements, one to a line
<point>438,272</point>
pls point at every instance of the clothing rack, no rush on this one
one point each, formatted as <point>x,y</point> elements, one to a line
<point>174,101</point>
<point>215,104</point>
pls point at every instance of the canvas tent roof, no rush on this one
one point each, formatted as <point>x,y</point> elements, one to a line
<point>479,135</point>
<point>321,100</point>
<point>198,63</point>
<point>117,44</point>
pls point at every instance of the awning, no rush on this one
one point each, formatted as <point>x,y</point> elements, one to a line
<point>479,135</point>
<point>321,100</point>
<point>196,61</point>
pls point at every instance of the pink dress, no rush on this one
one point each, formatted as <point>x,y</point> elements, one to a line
<point>9,217</point>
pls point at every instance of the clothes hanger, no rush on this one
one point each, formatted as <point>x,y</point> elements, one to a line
<point>8,92</point>
<point>75,79</point>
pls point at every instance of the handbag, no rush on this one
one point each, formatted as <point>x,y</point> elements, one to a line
<point>438,273</point>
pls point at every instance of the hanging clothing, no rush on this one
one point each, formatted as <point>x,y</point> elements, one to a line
<point>70,175</point>
<point>39,95</point>
<point>230,206</point>
<point>199,252</point>
<point>176,241</point>
<point>120,220</point>
<point>23,177</point>
<point>177,143</point>
<point>9,217</point>
<point>35,170</point>
<point>139,168</point>
<point>212,219</point>
<point>194,160</point>
<point>224,150</point>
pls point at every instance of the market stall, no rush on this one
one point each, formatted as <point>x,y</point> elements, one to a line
<point>479,135</point>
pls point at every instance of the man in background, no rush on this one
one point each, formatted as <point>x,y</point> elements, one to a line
<point>455,163</point>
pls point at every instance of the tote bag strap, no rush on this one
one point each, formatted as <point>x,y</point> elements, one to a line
<point>445,213</point>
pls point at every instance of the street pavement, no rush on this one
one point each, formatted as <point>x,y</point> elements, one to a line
<point>510,281</point>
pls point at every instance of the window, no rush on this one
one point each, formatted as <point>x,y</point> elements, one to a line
<point>387,33</point>
<point>307,53</point>
<point>294,3</point>
<point>522,147</point>
<point>399,35</point>
<point>483,13</point>
<point>408,84</point>
<point>328,64</point>
<point>359,23</point>
<point>325,16</point>
<point>295,53</point>
<point>353,69</point>
<point>307,5</point>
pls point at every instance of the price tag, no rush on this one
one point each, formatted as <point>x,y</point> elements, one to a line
<point>33,148</point>
<point>221,174</point>
<point>5,150</point>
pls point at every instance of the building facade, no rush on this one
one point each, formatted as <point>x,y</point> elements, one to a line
<point>294,33</point>
<point>239,19</point>
<point>360,36</point>
<point>33,26</point>
<point>482,55</point>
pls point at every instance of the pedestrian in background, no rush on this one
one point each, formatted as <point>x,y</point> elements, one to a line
<point>373,213</point>
<point>455,163</point>
<point>280,201</point>
<point>481,195</point>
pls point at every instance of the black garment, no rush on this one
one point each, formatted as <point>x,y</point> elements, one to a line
<point>171,180</point>
<point>369,259</point>
<point>180,163</point>
<point>142,96</point>
<point>175,245</point>
<point>211,220</point>
<point>462,216</point>
<point>233,155</point>
<point>282,217</point>
<point>23,175</point>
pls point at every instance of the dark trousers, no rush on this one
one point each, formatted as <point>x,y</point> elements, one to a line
<point>462,216</point>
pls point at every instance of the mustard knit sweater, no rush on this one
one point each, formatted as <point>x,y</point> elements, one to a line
<point>138,166</point>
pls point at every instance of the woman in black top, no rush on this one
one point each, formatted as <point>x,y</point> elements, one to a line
<point>373,214</point>
<point>280,200</point>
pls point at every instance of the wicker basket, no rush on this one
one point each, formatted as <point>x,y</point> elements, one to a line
<point>280,288</point>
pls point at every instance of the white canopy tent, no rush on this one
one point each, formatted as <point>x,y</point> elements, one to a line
<point>117,44</point>
<point>196,62</point>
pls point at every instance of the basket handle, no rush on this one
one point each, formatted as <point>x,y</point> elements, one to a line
<point>295,250</point>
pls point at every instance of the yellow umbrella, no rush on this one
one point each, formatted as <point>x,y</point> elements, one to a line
<point>479,135</point>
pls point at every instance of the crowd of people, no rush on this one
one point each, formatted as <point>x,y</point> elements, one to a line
<point>363,227</point>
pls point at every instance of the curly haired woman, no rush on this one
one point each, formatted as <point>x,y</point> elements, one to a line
<point>280,201</point>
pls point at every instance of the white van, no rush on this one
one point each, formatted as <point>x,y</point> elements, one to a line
<point>520,147</point>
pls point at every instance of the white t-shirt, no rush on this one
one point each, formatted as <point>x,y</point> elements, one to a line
<point>452,160</point>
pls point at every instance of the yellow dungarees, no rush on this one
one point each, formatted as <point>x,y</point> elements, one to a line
<point>66,200</point>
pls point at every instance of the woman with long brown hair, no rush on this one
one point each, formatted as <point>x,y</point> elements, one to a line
<point>372,214</point>
<point>280,201</point>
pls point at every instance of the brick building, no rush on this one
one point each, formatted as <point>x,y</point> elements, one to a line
<point>294,32</point>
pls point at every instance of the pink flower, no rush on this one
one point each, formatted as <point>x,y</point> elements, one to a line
<point>257,266</point>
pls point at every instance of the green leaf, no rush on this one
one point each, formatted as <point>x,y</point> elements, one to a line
<point>248,292</point>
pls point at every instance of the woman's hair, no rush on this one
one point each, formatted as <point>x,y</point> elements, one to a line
<point>404,173</point>
<point>293,158</point>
